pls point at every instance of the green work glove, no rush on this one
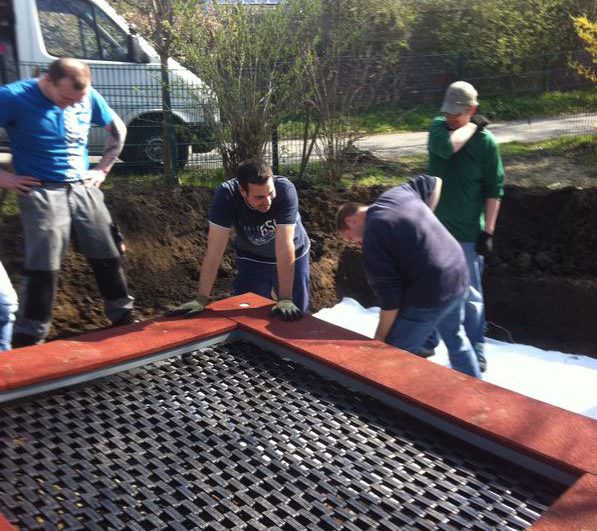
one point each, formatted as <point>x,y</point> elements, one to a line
<point>287,310</point>
<point>189,309</point>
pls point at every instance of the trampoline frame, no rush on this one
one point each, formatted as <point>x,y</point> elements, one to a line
<point>543,438</point>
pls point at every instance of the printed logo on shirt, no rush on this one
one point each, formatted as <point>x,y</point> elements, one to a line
<point>77,120</point>
<point>261,234</point>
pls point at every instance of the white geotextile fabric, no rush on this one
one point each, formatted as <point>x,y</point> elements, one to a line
<point>565,380</point>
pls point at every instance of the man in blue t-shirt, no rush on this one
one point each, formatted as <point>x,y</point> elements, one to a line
<point>271,243</point>
<point>47,121</point>
<point>415,267</point>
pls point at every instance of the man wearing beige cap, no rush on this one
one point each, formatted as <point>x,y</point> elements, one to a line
<point>465,155</point>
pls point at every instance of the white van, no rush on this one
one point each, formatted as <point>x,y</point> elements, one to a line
<point>125,69</point>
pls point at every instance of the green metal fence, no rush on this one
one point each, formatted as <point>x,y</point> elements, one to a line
<point>146,98</point>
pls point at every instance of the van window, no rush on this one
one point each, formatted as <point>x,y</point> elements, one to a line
<point>113,41</point>
<point>76,28</point>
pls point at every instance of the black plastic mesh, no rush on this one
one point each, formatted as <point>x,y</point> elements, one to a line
<point>239,439</point>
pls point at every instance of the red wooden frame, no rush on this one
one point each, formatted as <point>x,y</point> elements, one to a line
<point>559,438</point>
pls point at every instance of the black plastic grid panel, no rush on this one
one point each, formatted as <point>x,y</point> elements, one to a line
<point>237,438</point>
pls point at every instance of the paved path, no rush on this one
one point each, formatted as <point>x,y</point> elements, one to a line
<point>392,144</point>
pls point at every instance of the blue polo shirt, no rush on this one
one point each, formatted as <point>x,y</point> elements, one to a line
<point>410,258</point>
<point>48,142</point>
<point>256,231</point>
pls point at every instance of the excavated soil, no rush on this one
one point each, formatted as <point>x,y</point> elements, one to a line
<point>541,282</point>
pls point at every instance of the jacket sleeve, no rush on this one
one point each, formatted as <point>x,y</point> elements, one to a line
<point>382,274</point>
<point>438,141</point>
<point>493,169</point>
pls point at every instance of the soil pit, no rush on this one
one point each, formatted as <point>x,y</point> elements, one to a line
<point>540,283</point>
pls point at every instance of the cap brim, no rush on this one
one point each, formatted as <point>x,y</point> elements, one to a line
<point>453,108</point>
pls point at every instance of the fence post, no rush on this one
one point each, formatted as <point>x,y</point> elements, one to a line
<point>275,155</point>
<point>460,66</point>
<point>167,105</point>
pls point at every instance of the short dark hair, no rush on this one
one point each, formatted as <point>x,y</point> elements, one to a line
<point>345,211</point>
<point>253,171</point>
<point>77,71</point>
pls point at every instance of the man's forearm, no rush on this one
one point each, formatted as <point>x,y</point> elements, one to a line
<point>207,276</point>
<point>459,137</point>
<point>435,195</point>
<point>5,178</point>
<point>492,209</point>
<point>217,240</point>
<point>113,144</point>
<point>386,321</point>
<point>285,269</point>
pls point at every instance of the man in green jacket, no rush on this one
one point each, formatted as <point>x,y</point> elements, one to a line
<point>465,155</point>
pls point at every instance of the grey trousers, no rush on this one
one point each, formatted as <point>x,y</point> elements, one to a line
<point>49,214</point>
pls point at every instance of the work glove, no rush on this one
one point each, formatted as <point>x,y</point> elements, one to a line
<point>287,310</point>
<point>484,245</point>
<point>189,309</point>
<point>480,121</point>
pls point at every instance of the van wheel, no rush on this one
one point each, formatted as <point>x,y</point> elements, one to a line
<point>144,148</point>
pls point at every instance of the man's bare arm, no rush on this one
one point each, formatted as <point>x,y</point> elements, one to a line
<point>112,148</point>
<point>435,195</point>
<point>492,209</point>
<point>217,240</point>
<point>21,184</point>
<point>459,137</point>
<point>386,320</point>
<point>285,260</point>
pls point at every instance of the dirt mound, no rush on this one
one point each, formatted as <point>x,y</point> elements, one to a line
<point>541,283</point>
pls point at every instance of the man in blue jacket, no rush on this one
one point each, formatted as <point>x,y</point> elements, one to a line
<point>8,307</point>
<point>47,121</point>
<point>271,243</point>
<point>415,267</point>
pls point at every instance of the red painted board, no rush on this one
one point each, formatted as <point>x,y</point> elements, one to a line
<point>575,510</point>
<point>5,525</point>
<point>57,359</point>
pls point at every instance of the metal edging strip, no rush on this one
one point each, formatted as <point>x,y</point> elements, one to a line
<point>49,385</point>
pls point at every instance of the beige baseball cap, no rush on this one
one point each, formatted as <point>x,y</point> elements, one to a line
<point>460,96</point>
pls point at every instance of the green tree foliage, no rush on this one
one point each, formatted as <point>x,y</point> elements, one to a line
<point>498,35</point>
<point>359,43</point>
<point>587,32</point>
<point>159,21</point>
<point>253,61</point>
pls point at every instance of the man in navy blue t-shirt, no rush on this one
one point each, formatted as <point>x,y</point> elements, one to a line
<point>415,267</point>
<point>271,243</point>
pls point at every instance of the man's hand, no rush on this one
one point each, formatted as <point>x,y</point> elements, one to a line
<point>480,121</point>
<point>287,310</point>
<point>94,178</point>
<point>21,184</point>
<point>189,309</point>
<point>484,245</point>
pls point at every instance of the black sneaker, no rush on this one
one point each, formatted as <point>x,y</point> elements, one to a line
<point>20,340</point>
<point>128,317</point>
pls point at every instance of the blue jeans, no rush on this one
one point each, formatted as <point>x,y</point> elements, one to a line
<point>262,278</point>
<point>474,320</point>
<point>413,326</point>
<point>7,317</point>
